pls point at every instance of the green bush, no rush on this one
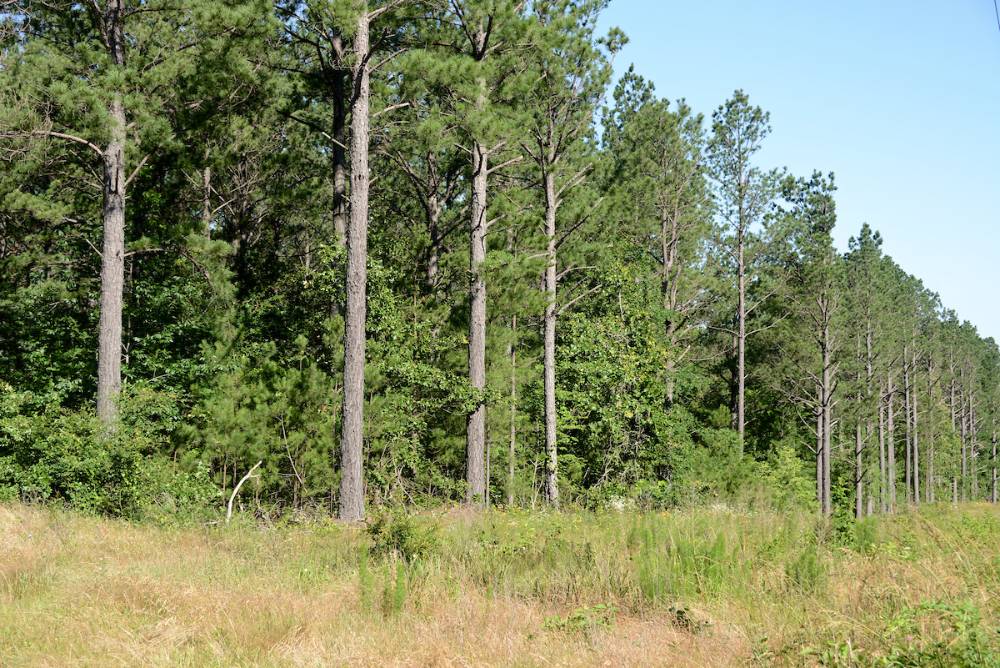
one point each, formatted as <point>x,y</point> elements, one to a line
<point>394,533</point>
<point>60,455</point>
<point>53,454</point>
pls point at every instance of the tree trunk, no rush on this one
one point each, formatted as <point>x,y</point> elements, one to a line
<point>929,465</point>
<point>827,408</point>
<point>338,155</point>
<point>741,341</point>
<point>916,440</point>
<point>551,453</point>
<point>858,474</point>
<point>476,423</point>
<point>993,471</point>
<point>512,451</point>
<point>909,428</point>
<point>973,447</point>
<point>109,346</point>
<point>352,495</point>
<point>891,438</point>
<point>965,439</point>
<point>820,501</point>
<point>883,495</point>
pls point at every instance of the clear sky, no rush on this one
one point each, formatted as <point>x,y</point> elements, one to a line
<point>900,98</point>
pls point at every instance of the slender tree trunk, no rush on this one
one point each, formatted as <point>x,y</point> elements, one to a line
<point>929,465</point>
<point>352,495</point>
<point>965,440</point>
<point>916,440</point>
<point>512,451</point>
<point>993,471</point>
<point>827,355</point>
<point>973,447</point>
<point>882,463</point>
<point>909,428</point>
<point>552,456</point>
<point>820,501</point>
<point>859,474</point>
<point>476,423</point>
<point>891,437</point>
<point>338,154</point>
<point>741,342</point>
<point>109,346</point>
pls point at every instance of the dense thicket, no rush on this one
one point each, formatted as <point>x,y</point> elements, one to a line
<point>416,251</point>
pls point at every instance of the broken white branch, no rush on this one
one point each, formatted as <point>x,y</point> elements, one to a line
<point>232,497</point>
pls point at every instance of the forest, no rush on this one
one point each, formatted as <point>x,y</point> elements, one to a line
<point>421,253</point>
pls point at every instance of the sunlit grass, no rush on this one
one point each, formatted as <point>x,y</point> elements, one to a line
<point>699,587</point>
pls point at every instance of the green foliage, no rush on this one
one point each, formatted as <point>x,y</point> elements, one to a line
<point>931,634</point>
<point>584,620</point>
<point>57,455</point>
<point>395,533</point>
<point>806,572</point>
<point>786,479</point>
<point>234,277</point>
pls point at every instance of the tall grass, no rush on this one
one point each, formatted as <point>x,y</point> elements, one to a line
<point>700,587</point>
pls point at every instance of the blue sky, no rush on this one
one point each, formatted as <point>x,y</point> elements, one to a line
<point>900,98</point>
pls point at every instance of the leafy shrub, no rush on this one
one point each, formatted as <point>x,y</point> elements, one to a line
<point>396,533</point>
<point>786,479</point>
<point>62,455</point>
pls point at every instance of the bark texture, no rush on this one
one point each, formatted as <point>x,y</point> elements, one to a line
<point>352,496</point>
<point>549,345</point>
<point>476,422</point>
<point>109,347</point>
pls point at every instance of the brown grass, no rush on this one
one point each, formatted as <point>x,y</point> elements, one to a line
<point>84,591</point>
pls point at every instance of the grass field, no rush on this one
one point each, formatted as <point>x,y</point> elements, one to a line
<point>712,587</point>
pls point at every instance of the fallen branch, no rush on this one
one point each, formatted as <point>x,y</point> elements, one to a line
<point>232,497</point>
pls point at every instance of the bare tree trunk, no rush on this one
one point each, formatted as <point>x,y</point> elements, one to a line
<point>891,437</point>
<point>109,346</point>
<point>909,428</point>
<point>338,154</point>
<point>827,409</point>
<point>973,447</point>
<point>741,341</point>
<point>512,451</point>
<point>858,474</point>
<point>552,456</point>
<point>993,472</point>
<point>916,439</point>
<point>929,465</point>
<point>820,501</point>
<point>352,494</point>
<point>476,423</point>
<point>965,439</point>
<point>883,495</point>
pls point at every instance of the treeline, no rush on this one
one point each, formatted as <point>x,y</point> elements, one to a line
<point>415,251</point>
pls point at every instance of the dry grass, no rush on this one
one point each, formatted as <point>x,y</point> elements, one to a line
<point>84,591</point>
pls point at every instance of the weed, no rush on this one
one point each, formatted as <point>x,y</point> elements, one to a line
<point>584,620</point>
